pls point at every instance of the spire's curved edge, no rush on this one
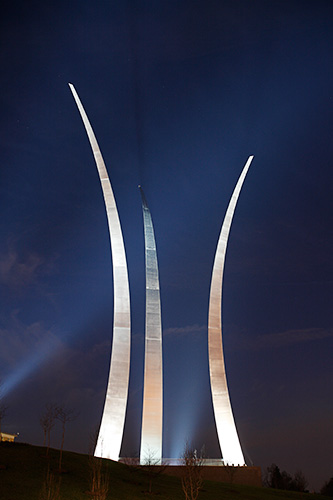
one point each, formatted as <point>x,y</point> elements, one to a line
<point>225,424</point>
<point>152,413</point>
<point>113,419</point>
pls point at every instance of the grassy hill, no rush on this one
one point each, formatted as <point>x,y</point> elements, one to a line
<point>23,471</point>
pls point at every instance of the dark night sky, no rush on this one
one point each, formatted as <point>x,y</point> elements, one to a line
<point>179,94</point>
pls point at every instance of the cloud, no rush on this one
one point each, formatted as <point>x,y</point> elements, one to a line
<point>177,331</point>
<point>185,330</point>
<point>286,338</point>
<point>100,349</point>
<point>24,348</point>
<point>18,272</point>
<point>18,340</point>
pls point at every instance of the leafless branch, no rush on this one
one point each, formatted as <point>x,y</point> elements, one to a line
<point>64,415</point>
<point>192,472</point>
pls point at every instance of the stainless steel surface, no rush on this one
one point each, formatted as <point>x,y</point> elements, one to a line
<point>112,425</point>
<point>152,414</point>
<point>226,428</point>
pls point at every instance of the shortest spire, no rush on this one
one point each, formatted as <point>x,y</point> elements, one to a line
<point>152,413</point>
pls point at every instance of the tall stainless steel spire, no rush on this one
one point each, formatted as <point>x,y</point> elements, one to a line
<point>226,429</point>
<point>112,425</point>
<point>152,414</point>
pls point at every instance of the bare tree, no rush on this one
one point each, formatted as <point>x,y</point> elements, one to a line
<point>93,441</point>
<point>64,415</point>
<point>3,409</point>
<point>132,463</point>
<point>51,487</point>
<point>47,421</point>
<point>99,478</point>
<point>153,467</point>
<point>191,472</point>
<point>274,478</point>
<point>231,471</point>
<point>327,489</point>
<point>3,413</point>
<point>300,481</point>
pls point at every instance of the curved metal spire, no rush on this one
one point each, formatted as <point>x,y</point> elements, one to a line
<point>226,428</point>
<point>112,425</point>
<point>152,413</point>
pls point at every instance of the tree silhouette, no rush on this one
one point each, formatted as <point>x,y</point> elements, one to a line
<point>327,489</point>
<point>64,415</point>
<point>153,467</point>
<point>231,471</point>
<point>284,481</point>
<point>191,472</point>
<point>300,482</point>
<point>99,478</point>
<point>47,421</point>
<point>3,410</point>
<point>51,487</point>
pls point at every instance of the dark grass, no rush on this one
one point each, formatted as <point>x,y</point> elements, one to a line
<point>23,470</point>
